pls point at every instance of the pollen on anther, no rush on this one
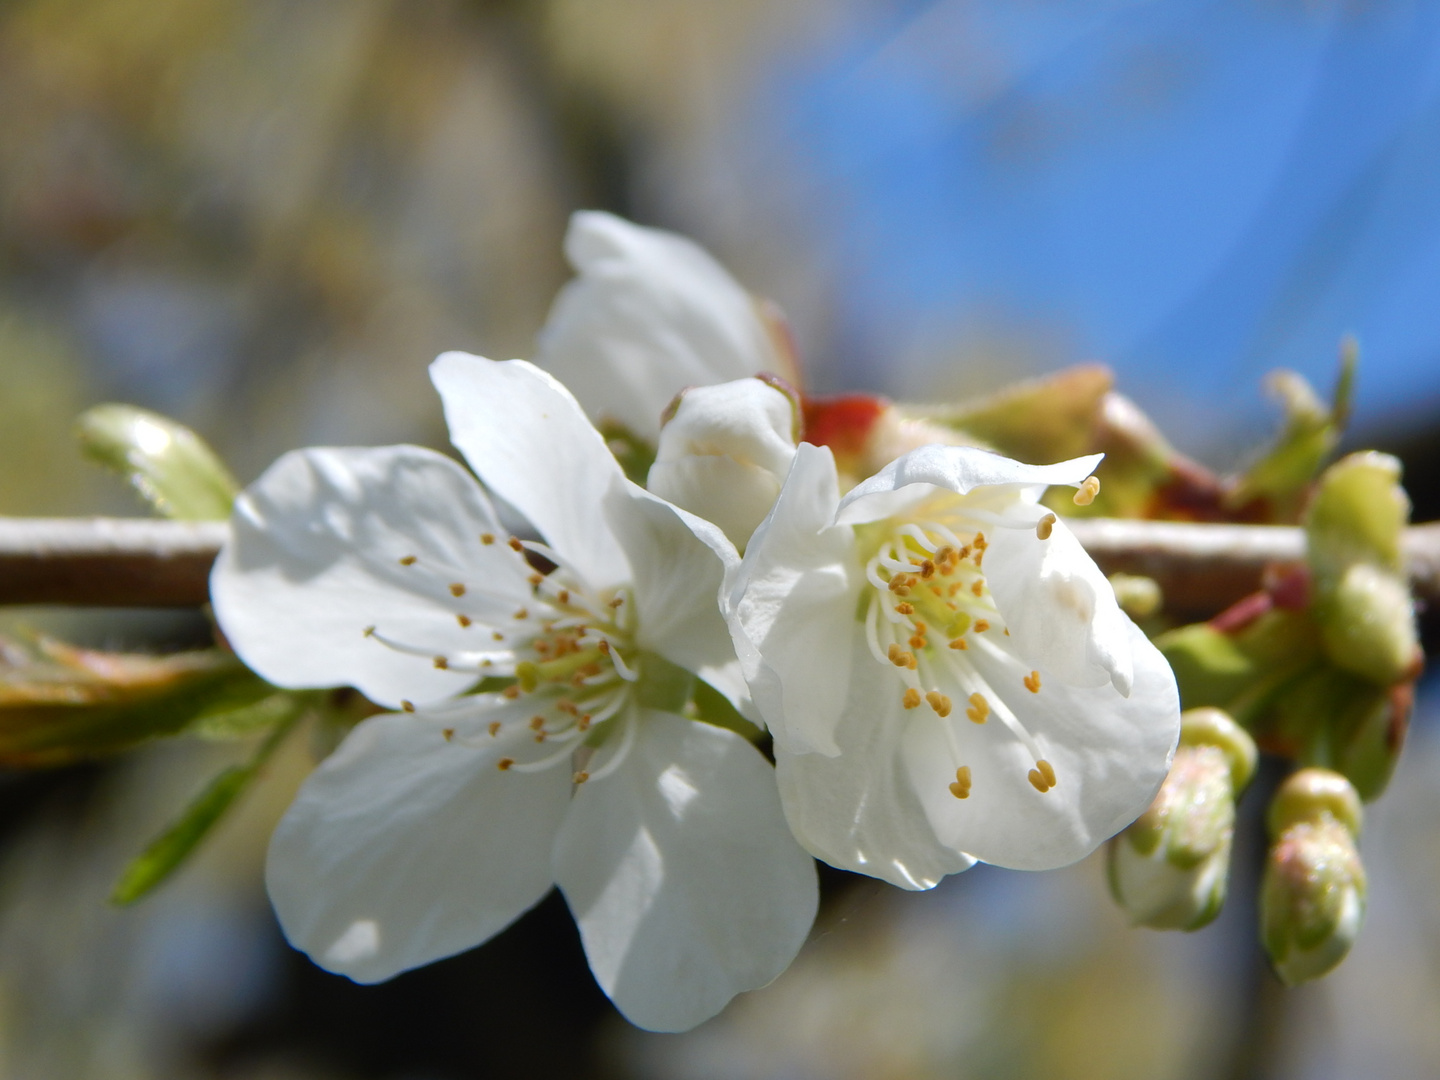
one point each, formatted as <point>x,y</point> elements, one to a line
<point>604,647</point>
<point>580,777</point>
<point>1044,526</point>
<point>563,596</point>
<point>1047,771</point>
<point>617,601</point>
<point>939,702</point>
<point>516,545</point>
<point>1037,781</point>
<point>463,620</point>
<point>540,736</point>
<point>408,706</point>
<point>497,635</point>
<point>1088,490</point>
<point>905,608</point>
<point>981,625</point>
<point>504,763</point>
<point>960,788</point>
<point>494,728</point>
<point>522,613</point>
<point>977,587</point>
<point>911,700</point>
<point>927,569</point>
<point>457,589</point>
<point>442,663</point>
<point>535,579</point>
<point>960,643</point>
<point>408,560</point>
<point>487,539</point>
<point>979,710</point>
<point>1032,682</point>
<point>510,692</point>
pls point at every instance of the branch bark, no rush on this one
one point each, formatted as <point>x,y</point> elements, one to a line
<point>124,562</point>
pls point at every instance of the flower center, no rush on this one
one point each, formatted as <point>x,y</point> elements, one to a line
<point>568,652</point>
<point>927,616</point>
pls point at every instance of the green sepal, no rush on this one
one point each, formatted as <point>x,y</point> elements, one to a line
<point>634,453</point>
<point>710,706</point>
<point>172,468</point>
<point>168,851</point>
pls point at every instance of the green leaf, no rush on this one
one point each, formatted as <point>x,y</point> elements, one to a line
<point>634,453</point>
<point>172,467</point>
<point>170,849</point>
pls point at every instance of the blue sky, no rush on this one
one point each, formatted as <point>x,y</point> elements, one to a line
<point>1195,191</point>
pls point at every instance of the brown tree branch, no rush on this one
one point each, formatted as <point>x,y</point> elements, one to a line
<point>123,562</point>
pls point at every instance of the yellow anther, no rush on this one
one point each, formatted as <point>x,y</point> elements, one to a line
<point>494,728</point>
<point>893,653</point>
<point>961,786</point>
<point>911,699</point>
<point>457,589</point>
<point>1044,526</point>
<point>408,706</point>
<point>510,693</point>
<point>497,635</point>
<point>980,542</point>
<point>523,613</point>
<point>604,646</point>
<point>540,736</point>
<point>981,625</point>
<point>563,596</point>
<point>516,545</point>
<point>441,663</point>
<point>449,733</point>
<point>1032,682</point>
<point>960,643</point>
<point>504,763</point>
<point>463,620</point>
<point>408,560</point>
<point>1088,490</point>
<point>617,601</point>
<point>905,608</point>
<point>580,777</point>
<point>927,569</point>
<point>939,702</point>
<point>535,579</point>
<point>1037,781</point>
<point>536,723</point>
<point>583,724</point>
<point>369,631</point>
<point>567,707</point>
<point>487,538</point>
<point>978,587</point>
<point>979,710</point>
<point>1047,771</point>
<point>917,641</point>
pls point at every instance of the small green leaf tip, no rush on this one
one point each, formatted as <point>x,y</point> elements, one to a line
<point>174,470</point>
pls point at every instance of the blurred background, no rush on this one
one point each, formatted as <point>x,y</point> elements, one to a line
<point>265,217</point>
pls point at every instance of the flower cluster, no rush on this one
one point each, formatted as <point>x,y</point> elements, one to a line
<point>564,657</point>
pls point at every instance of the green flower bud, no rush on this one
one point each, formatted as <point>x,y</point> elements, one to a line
<point>172,467</point>
<point>1367,623</point>
<point>1170,869</point>
<point>1139,597</point>
<point>1312,899</point>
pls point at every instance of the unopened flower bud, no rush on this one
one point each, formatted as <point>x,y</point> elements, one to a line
<point>724,452</point>
<point>1312,900</point>
<point>1139,597</point>
<point>1170,869</point>
<point>172,467</point>
<point>1363,603</point>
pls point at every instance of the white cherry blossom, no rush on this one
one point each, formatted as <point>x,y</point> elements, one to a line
<point>946,673</point>
<point>432,828</point>
<point>650,313</point>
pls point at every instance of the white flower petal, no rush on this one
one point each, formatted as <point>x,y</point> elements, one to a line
<point>793,601</point>
<point>314,560</point>
<point>679,562</point>
<point>1059,608</point>
<point>961,469</point>
<point>403,848</point>
<point>650,314</point>
<point>686,884</point>
<point>526,438</point>
<point>858,810</point>
<point>1110,755</point>
<point>736,496</point>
